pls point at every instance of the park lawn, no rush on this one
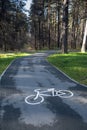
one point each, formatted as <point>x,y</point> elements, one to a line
<point>7,58</point>
<point>73,64</point>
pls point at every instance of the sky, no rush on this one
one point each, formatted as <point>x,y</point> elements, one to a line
<point>28,4</point>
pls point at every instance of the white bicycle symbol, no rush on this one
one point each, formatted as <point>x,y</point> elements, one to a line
<point>39,97</point>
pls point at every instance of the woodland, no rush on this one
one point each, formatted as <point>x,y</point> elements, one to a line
<point>50,24</point>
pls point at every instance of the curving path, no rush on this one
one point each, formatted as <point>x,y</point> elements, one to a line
<point>25,75</point>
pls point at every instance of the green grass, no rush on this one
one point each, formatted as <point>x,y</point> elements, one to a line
<point>6,58</point>
<point>73,64</point>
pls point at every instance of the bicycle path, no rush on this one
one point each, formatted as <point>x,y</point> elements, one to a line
<point>20,80</point>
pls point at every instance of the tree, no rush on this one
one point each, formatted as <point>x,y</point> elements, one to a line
<point>62,24</point>
<point>13,24</point>
<point>65,26</point>
<point>83,49</point>
<point>36,21</point>
<point>58,9</point>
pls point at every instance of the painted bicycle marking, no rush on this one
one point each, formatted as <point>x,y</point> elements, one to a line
<point>39,95</point>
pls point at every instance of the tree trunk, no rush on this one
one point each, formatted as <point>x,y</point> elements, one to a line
<point>58,40</point>
<point>83,49</point>
<point>65,26</point>
<point>39,34</point>
<point>49,37</point>
<point>35,45</point>
<point>49,25</point>
<point>73,40</point>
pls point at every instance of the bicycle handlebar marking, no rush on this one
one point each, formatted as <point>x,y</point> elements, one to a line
<point>33,99</point>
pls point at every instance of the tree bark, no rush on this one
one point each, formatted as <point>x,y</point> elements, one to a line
<point>83,49</point>
<point>58,40</point>
<point>39,34</point>
<point>65,26</point>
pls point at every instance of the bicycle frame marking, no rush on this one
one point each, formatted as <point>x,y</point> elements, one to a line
<point>41,94</point>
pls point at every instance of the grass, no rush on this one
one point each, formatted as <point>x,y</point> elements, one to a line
<point>7,58</point>
<point>73,64</point>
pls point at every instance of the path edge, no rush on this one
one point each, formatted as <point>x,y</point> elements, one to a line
<point>65,74</point>
<point>6,69</point>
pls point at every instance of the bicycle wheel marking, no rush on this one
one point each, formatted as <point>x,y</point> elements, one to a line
<point>38,98</point>
<point>65,94</point>
<point>34,102</point>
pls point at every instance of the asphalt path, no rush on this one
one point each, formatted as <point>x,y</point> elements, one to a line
<point>21,79</point>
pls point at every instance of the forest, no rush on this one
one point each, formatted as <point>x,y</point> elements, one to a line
<point>52,24</point>
<point>13,24</point>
